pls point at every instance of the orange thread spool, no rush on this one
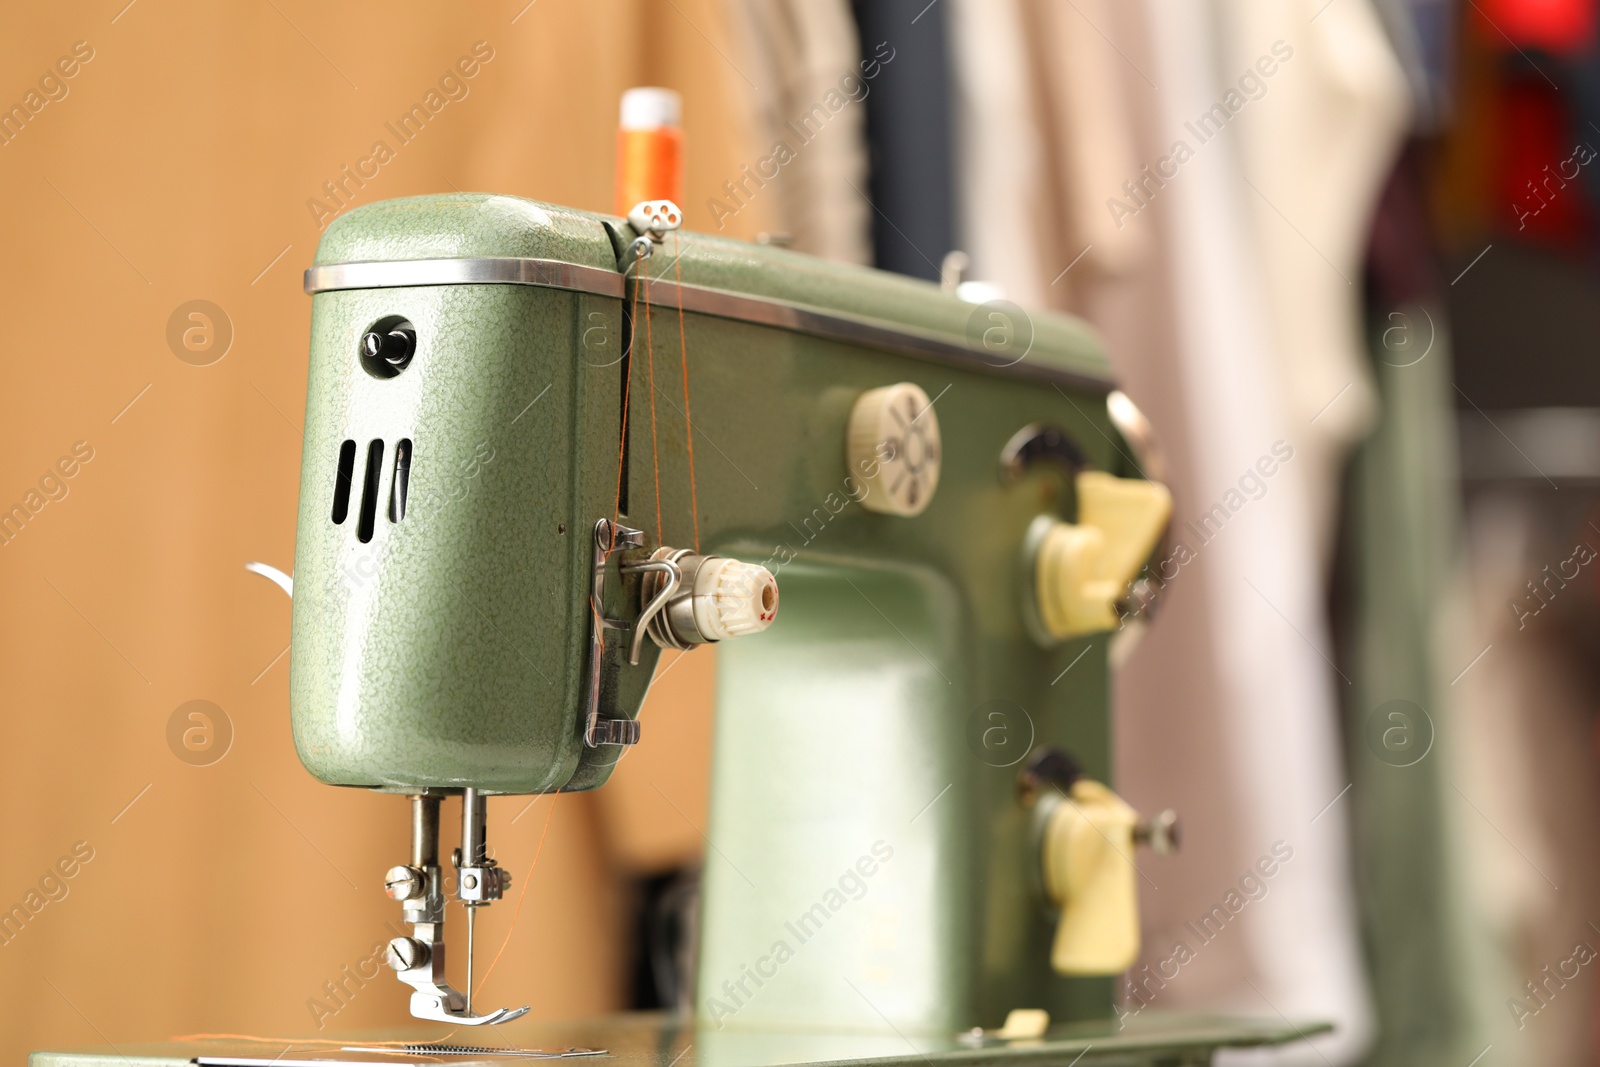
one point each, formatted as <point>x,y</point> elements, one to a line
<point>649,148</point>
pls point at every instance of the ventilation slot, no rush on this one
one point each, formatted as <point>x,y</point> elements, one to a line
<point>341,482</point>
<point>401,482</point>
<point>369,492</point>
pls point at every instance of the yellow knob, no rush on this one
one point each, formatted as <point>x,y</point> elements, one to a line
<point>1089,875</point>
<point>1083,568</point>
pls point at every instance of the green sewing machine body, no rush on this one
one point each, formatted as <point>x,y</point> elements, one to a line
<point>851,722</point>
<point>872,867</point>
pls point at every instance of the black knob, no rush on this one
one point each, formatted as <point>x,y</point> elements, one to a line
<point>392,348</point>
<point>1050,766</point>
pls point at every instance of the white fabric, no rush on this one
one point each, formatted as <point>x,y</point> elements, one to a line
<point>1000,162</point>
<point>804,56</point>
<point>1238,287</point>
<point>1045,130</point>
<point>1314,151</point>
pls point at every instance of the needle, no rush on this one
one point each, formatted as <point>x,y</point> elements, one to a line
<point>471,913</point>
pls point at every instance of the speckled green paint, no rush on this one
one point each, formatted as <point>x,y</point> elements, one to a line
<point>451,651</point>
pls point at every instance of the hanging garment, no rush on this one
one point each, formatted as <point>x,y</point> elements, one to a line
<point>1042,141</point>
<point>1540,166</point>
<point>1437,970</point>
<point>1025,198</point>
<point>908,134</point>
<point>803,85</point>
<point>1409,25</point>
<point>1086,133</point>
<point>1528,712</point>
<point>1550,25</point>
<point>1265,252</point>
<point>1000,158</point>
<point>1225,711</point>
<point>1314,151</point>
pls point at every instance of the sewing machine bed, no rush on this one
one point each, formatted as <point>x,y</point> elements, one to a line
<point>650,1040</point>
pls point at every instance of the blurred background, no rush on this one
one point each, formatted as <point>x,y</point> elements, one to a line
<point>1352,241</point>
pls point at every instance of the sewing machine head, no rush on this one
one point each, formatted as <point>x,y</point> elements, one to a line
<point>542,445</point>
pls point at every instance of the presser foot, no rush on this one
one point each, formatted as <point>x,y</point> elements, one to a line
<point>432,996</point>
<point>449,1006</point>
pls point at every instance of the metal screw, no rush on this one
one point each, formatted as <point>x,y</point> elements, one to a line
<point>403,883</point>
<point>470,881</point>
<point>393,347</point>
<point>406,953</point>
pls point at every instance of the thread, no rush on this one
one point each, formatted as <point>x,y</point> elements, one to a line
<point>290,1041</point>
<point>650,361</point>
<point>627,389</point>
<point>649,148</point>
<point>527,880</point>
<point>688,417</point>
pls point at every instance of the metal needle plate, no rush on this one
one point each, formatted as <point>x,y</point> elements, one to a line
<point>479,1050</point>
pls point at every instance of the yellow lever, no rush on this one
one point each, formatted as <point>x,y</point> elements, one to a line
<point>1089,874</point>
<point>1083,568</point>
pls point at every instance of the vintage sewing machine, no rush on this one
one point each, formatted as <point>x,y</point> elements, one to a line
<point>542,445</point>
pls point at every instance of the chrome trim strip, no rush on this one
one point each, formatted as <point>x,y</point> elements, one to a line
<point>403,273</point>
<point>743,307</point>
<point>837,326</point>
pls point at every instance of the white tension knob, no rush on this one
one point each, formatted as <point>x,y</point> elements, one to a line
<point>733,598</point>
<point>690,599</point>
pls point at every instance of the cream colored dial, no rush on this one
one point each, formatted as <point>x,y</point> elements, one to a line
<point>894,449</point>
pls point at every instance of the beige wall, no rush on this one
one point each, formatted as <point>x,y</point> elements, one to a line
<point>178,167</point>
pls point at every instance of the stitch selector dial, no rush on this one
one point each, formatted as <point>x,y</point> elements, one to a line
<point>893,448</point>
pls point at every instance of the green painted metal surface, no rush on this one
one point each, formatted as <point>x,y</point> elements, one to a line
<point>450,650</point>
<point>871,866</point>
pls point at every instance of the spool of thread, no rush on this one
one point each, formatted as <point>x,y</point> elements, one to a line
<point>650,148</point>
